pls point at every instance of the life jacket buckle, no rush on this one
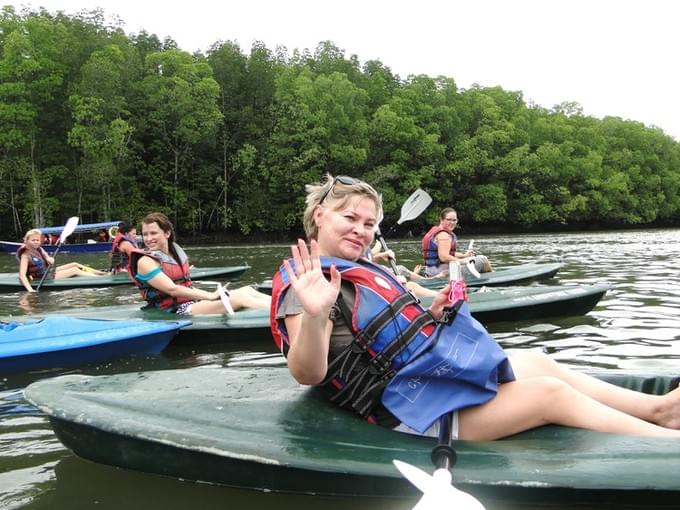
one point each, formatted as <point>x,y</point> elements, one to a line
<point>361,343</point>
<point>378,364</point>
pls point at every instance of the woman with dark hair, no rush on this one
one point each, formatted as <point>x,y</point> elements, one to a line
<point>440,247</point>
<point>349,327</point>
<point>162,275</point>
<point>124,241</point>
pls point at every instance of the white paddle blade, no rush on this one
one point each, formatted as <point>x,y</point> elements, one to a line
<point>68,228</point>
<point>471,245</point>
<point>471,267</point>
<point>438,492</point>
<point>414,205</point>
<point>225,299</point>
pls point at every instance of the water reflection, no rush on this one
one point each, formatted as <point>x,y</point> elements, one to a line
<point>635,327</point>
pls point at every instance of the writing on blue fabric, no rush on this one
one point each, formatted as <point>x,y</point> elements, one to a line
<point>461,367</point>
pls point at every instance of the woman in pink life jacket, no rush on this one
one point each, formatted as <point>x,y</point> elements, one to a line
<point>310,325</point>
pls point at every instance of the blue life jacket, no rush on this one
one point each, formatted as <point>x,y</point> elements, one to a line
<point>431,249</point>
<point>418,368</point>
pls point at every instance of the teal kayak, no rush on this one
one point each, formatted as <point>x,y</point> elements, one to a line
<point>65,341</point>
<point>255,428</point>
<point>9,282</point>
<point>513,275</point>
<point>522,303</point>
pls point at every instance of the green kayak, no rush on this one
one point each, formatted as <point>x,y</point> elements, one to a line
<point>9,282</point>
<point>255,428</point>
<point>523,303</point>
<point>522,273</point>
<point>505,276</point>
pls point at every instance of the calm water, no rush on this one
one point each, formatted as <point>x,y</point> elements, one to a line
<point>635,327</point>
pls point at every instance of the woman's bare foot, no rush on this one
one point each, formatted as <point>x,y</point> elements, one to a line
<point>668,413</point>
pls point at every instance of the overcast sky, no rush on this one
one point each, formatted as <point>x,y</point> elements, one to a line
<point>614,57</point>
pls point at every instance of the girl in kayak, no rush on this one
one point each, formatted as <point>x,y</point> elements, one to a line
<point>34,261</point>
<point>317,319</point>
<point>162,275</point>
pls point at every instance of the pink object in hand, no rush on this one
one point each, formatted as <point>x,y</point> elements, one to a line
<point>458,291</point>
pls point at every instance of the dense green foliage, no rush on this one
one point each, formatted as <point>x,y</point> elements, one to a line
<point>101,124</point>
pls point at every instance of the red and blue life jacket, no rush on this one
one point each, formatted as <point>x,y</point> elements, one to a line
<point>177,271</point>
<point>37,261</point>
<point>430,248</point>
<point>392,334</point>
<point>119,259</point>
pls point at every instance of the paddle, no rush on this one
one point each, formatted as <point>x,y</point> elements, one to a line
<point>410,210</point>
<point>224,297</point>
<point>68,230</point>
<point>438,487</point>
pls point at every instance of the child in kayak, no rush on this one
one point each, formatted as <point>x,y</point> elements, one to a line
<point>34,261</point>
<point>162,275</point>
<point>344,324</point>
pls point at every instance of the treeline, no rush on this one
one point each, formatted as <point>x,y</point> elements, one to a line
<point>105,125</point>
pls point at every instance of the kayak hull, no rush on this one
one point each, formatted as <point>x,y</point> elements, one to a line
<point>197,424</point>
<point>9,282</point>
<point>527,303</point>
<point>512,275</point>
<point>64,341</point>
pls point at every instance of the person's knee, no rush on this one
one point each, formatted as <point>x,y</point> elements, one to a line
<point>551,391</point>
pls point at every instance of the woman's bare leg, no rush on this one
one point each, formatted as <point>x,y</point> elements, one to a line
<point>663,410</point>
<point>536,401</point>
<point>248,297</point>
<point>68,272</point>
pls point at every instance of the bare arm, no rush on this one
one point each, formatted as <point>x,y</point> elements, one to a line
<point>444,247</point>
<point>23,269</point>
<point>309,332</point>
<point>164,284</point>
<point>126,247</point>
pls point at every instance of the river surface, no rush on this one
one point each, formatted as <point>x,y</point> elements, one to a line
<point>635,327</point>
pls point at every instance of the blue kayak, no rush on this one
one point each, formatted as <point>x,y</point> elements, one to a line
<point>63,341</point>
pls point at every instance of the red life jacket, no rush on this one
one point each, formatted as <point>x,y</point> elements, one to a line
<point>430,248</point>
<point>177,271</point>
<point>119,259</point>
<point>37,261</point>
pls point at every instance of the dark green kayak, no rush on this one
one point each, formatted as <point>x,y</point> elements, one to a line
<point>523,303</point>
<point>9,282</point>
<point>522,273</point>
<point>255,428</point>
<point>512,275</point>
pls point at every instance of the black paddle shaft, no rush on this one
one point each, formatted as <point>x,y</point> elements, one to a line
<point>443,456</point>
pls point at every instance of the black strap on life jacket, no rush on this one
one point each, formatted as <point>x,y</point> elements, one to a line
<point>358,386</point>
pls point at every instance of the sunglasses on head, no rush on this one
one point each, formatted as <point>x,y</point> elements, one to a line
<point>342,179</point>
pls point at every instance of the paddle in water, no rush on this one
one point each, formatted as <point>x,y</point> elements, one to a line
<point>438,490</point>
<point>68,230</point>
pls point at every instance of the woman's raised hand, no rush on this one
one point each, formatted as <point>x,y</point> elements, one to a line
<point>315,293</point>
